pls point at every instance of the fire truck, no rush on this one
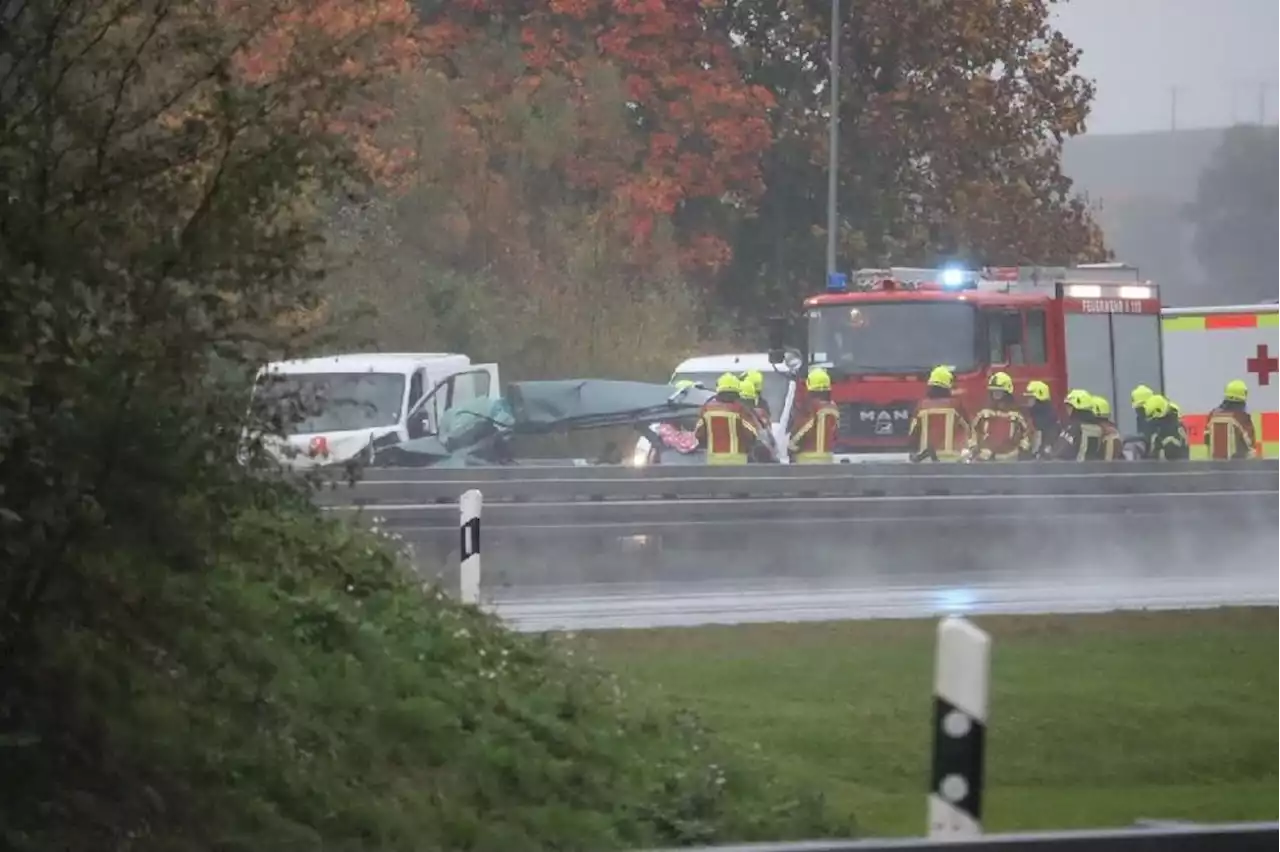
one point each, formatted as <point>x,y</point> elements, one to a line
<point>1095,326</point>
<point>1204,348</point>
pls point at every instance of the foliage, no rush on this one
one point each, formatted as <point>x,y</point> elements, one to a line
<point>484,249</point>
<point>1236,213</point>
<point>952,115</point>
<point>306,692</point>
<point>687,145</point>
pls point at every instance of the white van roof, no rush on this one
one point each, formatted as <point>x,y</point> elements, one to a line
<point>368,362</point>
<point>727,363</point>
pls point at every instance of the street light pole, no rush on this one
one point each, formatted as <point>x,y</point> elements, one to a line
<point>833,156</point>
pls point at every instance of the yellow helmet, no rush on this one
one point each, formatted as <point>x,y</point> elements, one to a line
<point>819,380</point>
<point>728,383</point>
<point>1237,391</point>
<point>1102,407</point>
<point>1080,400</point>
<point>941,377</point>
<point>747,389</point>
<point>1038,390</point>
<point>756,378</point>
<point>1000,382</point>
<point>1155,406</point>
<point>1140,395</point>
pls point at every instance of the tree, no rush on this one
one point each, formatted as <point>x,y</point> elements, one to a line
<point>952,116</point>
<point>1236,215</point>
<point>688,147</point>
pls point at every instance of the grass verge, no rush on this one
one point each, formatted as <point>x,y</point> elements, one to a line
<point>1096,720</point>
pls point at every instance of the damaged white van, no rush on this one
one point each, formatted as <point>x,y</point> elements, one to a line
<point>336,408</point>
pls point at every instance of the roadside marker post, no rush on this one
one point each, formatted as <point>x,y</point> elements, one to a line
<point>469,505</point>
<point>961,685</point>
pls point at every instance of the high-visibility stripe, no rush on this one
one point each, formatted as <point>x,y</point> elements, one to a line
<point>1269,319</point>
<point>1266,426</point>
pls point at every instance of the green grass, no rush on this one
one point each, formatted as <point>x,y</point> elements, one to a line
<point>1095,720</point>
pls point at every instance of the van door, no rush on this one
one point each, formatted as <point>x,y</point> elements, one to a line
<point>478,382</point>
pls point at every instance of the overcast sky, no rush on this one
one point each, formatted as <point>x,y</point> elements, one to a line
<point>1216,52</point>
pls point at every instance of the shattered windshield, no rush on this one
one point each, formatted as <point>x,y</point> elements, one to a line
<point>312,403</point>
<point>894,337</point>
<point>775,386</point>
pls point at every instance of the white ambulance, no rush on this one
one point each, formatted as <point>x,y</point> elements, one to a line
<point>1204,348</point>
<point>342,406</point>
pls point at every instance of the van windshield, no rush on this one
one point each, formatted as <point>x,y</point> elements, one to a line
<point>894,337</point>
<point>775,386</point>
<point>312,403</point>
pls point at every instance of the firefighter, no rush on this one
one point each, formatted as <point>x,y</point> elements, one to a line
<point>1000,431</point>
<point>724,427</point>
<point>1042,417</point>
<point>1228,433</point>
<point>815,435</point>
<point>751,403</point>
<point>1081,437</point>
<point>756,378</point>
<point>1165,436</point>
<point>939,426</point>
<point>1110,446</point>
<point>1138,398</point>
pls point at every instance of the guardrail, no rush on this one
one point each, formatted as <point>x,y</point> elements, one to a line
<point>1236,837</point>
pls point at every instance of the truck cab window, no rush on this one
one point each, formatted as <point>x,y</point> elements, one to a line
<point>1036,348</point>
<point>1004,337</point>
<point>416,387</point>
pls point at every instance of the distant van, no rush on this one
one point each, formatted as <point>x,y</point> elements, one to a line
<point>348,403</point>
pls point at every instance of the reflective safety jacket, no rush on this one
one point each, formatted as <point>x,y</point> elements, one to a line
<point>727,430</point>
<point>815,437</point>
<point>1000,433</point>
<point>1228,433</point>
<point>1080,439</point>
<point>1110,444</point>
<point>939,429</point>
<point>1167,438</point>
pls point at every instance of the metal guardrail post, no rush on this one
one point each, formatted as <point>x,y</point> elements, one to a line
<point>961,688</point>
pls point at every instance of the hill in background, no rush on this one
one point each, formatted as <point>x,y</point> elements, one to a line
<point>1141,183</point>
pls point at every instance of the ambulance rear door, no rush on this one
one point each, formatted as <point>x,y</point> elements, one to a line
<point>1111,335</point>
<point>1204,348</point>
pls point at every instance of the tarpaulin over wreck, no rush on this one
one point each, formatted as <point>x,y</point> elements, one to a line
<point>474,432</point>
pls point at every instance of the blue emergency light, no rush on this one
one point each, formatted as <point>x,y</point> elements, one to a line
<point>837,282</point>
<point>954,277</point>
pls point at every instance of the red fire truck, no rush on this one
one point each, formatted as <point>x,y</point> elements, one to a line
<point>1093,326</point>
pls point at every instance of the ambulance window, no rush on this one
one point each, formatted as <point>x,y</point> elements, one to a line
<point>416,387</point>
<point>1034,344</point>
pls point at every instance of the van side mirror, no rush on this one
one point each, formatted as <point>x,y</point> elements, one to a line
<point>777,327</point>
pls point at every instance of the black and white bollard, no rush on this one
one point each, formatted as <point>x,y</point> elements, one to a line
<point>469,547</point>
<point>960,690</point>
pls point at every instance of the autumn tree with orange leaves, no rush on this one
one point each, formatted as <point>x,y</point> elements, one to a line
<point>952,118</point>
<point>689,149</point>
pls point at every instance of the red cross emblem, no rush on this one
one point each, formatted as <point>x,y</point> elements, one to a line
<point>1263,365</point>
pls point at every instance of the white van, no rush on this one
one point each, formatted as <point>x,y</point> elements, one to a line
<point>352,403</point>
<point>779,391</point>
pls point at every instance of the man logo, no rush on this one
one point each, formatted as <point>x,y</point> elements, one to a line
<point>884,419</point>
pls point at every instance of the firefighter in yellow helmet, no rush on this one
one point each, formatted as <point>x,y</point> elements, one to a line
<point>725,428</point>
<point>756,379</point>
<point>940,425</point>
<point>751,403</point>
<point>1000,431</point>
<point>1228,433</point>
<point>1042,417</point>
<point>1138,398</point>
<point>1110,447</point>
<point>814,438</point>
<point>1081,436</point>
<point>1165,436</point>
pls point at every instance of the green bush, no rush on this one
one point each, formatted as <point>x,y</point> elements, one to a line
<point>307,692</point>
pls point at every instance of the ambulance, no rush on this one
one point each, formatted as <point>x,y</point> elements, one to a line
<point>1093,326</point>
<point>1204,348</point>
